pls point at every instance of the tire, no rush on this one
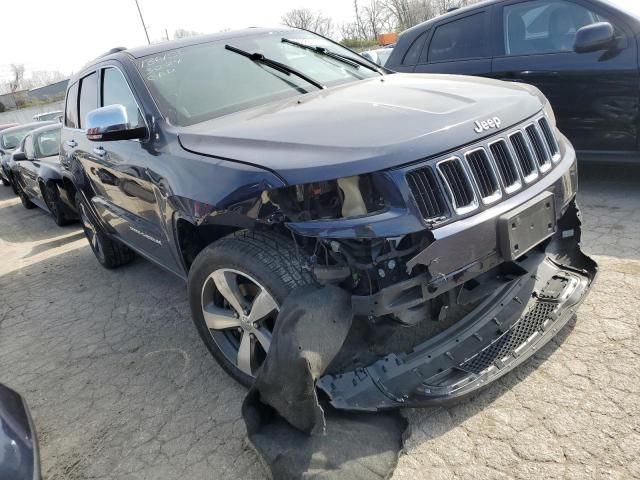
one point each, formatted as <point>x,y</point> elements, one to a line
<point>26,203</point>
<point>259,265</point>
<point>110,253</point>
<point>56,207</point>
<point>5,183</point>
<point>14,184</point>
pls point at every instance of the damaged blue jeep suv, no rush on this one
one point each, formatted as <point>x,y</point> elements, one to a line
<point>252,163</point>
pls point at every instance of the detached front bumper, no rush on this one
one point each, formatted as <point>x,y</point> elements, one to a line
<point>510,325</point>
<point>511,319</point>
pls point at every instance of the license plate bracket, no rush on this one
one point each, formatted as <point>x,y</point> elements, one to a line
<point>522,228</point>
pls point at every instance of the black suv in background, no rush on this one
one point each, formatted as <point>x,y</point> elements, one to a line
<point>10,140</point>
<point>38,177</point>
<point>251,163</point>
<point>582,54</point>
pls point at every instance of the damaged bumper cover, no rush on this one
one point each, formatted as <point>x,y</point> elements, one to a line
<point>533,234</point>
<point>507,327</point>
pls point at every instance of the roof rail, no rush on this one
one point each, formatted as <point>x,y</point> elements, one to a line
<point>113,50</point>
<point>452,9</point>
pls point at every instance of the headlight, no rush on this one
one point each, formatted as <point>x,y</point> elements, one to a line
<point>342,198</point>
<point>548,111</point>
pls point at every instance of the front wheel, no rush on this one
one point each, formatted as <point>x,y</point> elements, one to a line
<point>110,253</point>
<point>236,288</point>
<point>55,205</point>
<point>24,198</point>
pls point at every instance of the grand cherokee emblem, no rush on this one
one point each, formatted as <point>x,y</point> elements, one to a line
<point>485,125</point>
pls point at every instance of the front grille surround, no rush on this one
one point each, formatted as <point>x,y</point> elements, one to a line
<point>487,172</point>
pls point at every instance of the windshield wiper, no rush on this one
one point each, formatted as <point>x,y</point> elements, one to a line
<point>281,67</point>
<point>354,62</point>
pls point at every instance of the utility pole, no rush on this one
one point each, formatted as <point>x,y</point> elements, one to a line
<point>143,25</point>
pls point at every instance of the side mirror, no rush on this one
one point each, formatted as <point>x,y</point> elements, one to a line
<point>594,37</point>
<point>112,123</point>
<point>19,156</point>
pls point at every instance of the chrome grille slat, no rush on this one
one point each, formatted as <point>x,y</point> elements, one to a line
<point>548,136</point>
<point>505,163</point>
<point>453,174</point>
<point>427,193</point>
<point>485,172</point>
<point>525,158</point>
<point>538,147</point>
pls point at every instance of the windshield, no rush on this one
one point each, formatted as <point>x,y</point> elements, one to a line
<point>10,140</point>
<point>48,143</point>
<point>632,7</point>
<point>200,82</point>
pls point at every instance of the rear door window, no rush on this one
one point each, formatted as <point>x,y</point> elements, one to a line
<point>88,96</point>
<point>460,39</point>
<point>71,107</point>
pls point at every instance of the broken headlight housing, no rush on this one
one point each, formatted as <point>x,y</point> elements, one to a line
<point>346,197</point>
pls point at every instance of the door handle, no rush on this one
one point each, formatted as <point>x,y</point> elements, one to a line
<point>100,151</point>
<point>71,143</point>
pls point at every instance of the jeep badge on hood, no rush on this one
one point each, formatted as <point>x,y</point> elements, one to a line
<point>494,122</point>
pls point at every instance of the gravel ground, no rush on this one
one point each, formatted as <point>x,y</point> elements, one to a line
<point>121,387</point>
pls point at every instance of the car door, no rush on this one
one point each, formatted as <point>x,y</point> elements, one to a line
<point>121,173</point>
<point>595,95</point>
<point>28,169</point>
<point>459,45</point>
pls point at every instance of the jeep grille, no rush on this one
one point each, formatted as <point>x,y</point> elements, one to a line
<point>484,173</point>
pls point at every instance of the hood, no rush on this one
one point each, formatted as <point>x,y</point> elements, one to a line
<point>364,126</point>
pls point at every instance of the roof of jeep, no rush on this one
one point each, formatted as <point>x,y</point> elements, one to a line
<point>156,48</point>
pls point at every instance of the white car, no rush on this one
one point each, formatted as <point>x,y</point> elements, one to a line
<point>379,55</point>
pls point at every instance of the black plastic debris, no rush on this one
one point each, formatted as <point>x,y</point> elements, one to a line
<point>294,434</point>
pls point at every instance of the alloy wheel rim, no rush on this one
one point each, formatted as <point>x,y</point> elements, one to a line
<point>240,315</point>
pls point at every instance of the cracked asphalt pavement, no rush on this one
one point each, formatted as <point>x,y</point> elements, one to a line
<point>121,387</point>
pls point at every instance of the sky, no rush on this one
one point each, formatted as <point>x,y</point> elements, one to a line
<point>65,34</point>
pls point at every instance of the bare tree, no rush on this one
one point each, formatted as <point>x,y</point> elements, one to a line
<point>309,20</point>
<point>16,83</point>
<point>182,33</point>
<point>40,78</point>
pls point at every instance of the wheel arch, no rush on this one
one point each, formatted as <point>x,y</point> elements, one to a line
<point>191,238</point>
